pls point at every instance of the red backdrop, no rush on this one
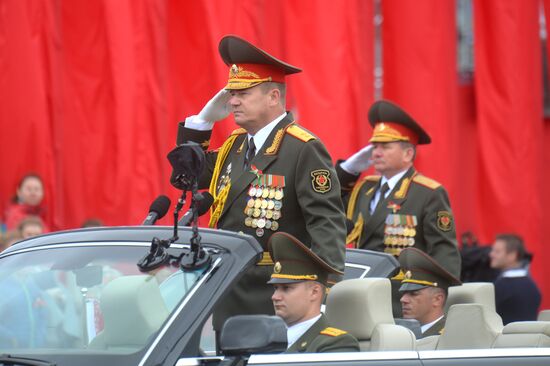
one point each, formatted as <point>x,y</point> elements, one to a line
<point>91,93</point>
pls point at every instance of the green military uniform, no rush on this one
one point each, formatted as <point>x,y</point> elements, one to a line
<point>295,262</point>
<point>435,329</point>
<point>291,186</point>
<point>322,338</point>
<point>416,213</point>
<point>422,271</point>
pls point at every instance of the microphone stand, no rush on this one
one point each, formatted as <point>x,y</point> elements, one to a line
<point>197,257</point>
<point>157,255</point>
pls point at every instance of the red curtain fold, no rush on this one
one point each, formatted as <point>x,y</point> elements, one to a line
<point>508,86</point>
<point>92,92</point>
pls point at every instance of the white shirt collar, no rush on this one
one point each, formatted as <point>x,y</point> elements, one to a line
<point>425,327</point>
<point>294,332</point>
<point>392,182</point>
<point>515,272</point>
<point>263,134</point>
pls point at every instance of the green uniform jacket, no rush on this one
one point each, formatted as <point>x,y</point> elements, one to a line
<point>321,338</point>
<point>435,329</point>
<point>312,208</point>
<point>416,213</point>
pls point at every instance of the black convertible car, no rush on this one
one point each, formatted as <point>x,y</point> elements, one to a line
<point>79,298</point>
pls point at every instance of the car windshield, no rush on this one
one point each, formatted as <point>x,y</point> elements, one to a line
<point>85,298</point>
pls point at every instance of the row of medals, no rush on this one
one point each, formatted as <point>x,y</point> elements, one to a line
<point>399,235</point>
<point>263,208</point>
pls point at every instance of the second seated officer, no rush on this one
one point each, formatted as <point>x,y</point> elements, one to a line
<point>271,174</point>
<point>300,279</point>
<point>400,208</point>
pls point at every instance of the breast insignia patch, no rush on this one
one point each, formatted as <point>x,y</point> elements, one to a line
<point>444,220</point>
<point>321,181</point>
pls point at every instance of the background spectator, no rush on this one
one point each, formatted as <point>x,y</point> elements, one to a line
<point>9,238</point>
<point>27,201</point>
<point>516,294</point>
<point>30,226</point>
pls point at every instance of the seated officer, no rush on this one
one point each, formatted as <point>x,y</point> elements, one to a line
<point>424,290</point>
<point>300,278</point>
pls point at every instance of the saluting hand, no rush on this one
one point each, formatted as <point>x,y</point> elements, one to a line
<point>359,162</point>
<point>217,108</point>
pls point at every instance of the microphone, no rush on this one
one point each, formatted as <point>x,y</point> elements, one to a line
<point>157,210</point>
<point>203,206</point>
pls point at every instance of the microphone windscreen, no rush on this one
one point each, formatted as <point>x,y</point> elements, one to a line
<point>205,203</point>
<point>160,205</point>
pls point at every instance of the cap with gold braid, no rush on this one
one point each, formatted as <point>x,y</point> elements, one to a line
<point>295,262</point>
<point>391,123</point>
<point>249,65</point>
<point>422,271</point>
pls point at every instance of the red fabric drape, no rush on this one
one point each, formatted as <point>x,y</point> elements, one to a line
<point>508,85</point>
<point>92,91</point>
<point>419,48</point>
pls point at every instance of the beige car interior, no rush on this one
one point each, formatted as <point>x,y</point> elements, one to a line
<point>363,308</point>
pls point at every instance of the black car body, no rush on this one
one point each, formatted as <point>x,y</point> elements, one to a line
<point>78,298</point>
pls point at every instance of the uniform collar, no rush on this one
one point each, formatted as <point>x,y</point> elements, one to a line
<point>425,327</point>
<point>392,182</point>
<point>261,136</point>
<point>294,332</point>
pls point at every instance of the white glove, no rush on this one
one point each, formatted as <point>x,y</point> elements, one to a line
<point>358,162</point>
<point>217,108</point>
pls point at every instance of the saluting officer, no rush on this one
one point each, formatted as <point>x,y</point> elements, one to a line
<point>300,279</point>
<point>424,290</point>
<point>271,174</point>
<point>400,208</point>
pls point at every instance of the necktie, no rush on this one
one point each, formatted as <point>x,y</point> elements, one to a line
<point>383,191</point>
<point>250,153</point>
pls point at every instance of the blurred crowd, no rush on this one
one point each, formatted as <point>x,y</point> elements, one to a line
<point>26,215</point>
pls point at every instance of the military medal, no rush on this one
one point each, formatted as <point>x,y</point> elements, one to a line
<point>259,232</point>
<point>264,204</point>
<point>279,194</point>
<point>265,193</point>
<point>270,204</point>
<point>274,225</point>
<point>271,193</point>
<point>259,192</point>
<point>261,223</point>
<point>252,191</point>
<point>276,215</point>
<point>268,214</point>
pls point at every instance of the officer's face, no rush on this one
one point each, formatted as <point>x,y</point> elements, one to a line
<point>250,108</point>
<point>296,302</point>
<point>390,158</point>
<point>424,305</point>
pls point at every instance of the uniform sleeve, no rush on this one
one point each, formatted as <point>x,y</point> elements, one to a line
<point>203,138</point>
<point>439,231</point>
<point>318,192</point>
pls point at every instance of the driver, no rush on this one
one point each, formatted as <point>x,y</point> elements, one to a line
<point>300,278</point>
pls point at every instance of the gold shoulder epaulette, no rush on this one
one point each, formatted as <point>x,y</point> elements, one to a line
<point>333,332</point>
<point>372,178</point>
<point>300,133</point>
<point>425,181</point>
<point>238,131</point>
